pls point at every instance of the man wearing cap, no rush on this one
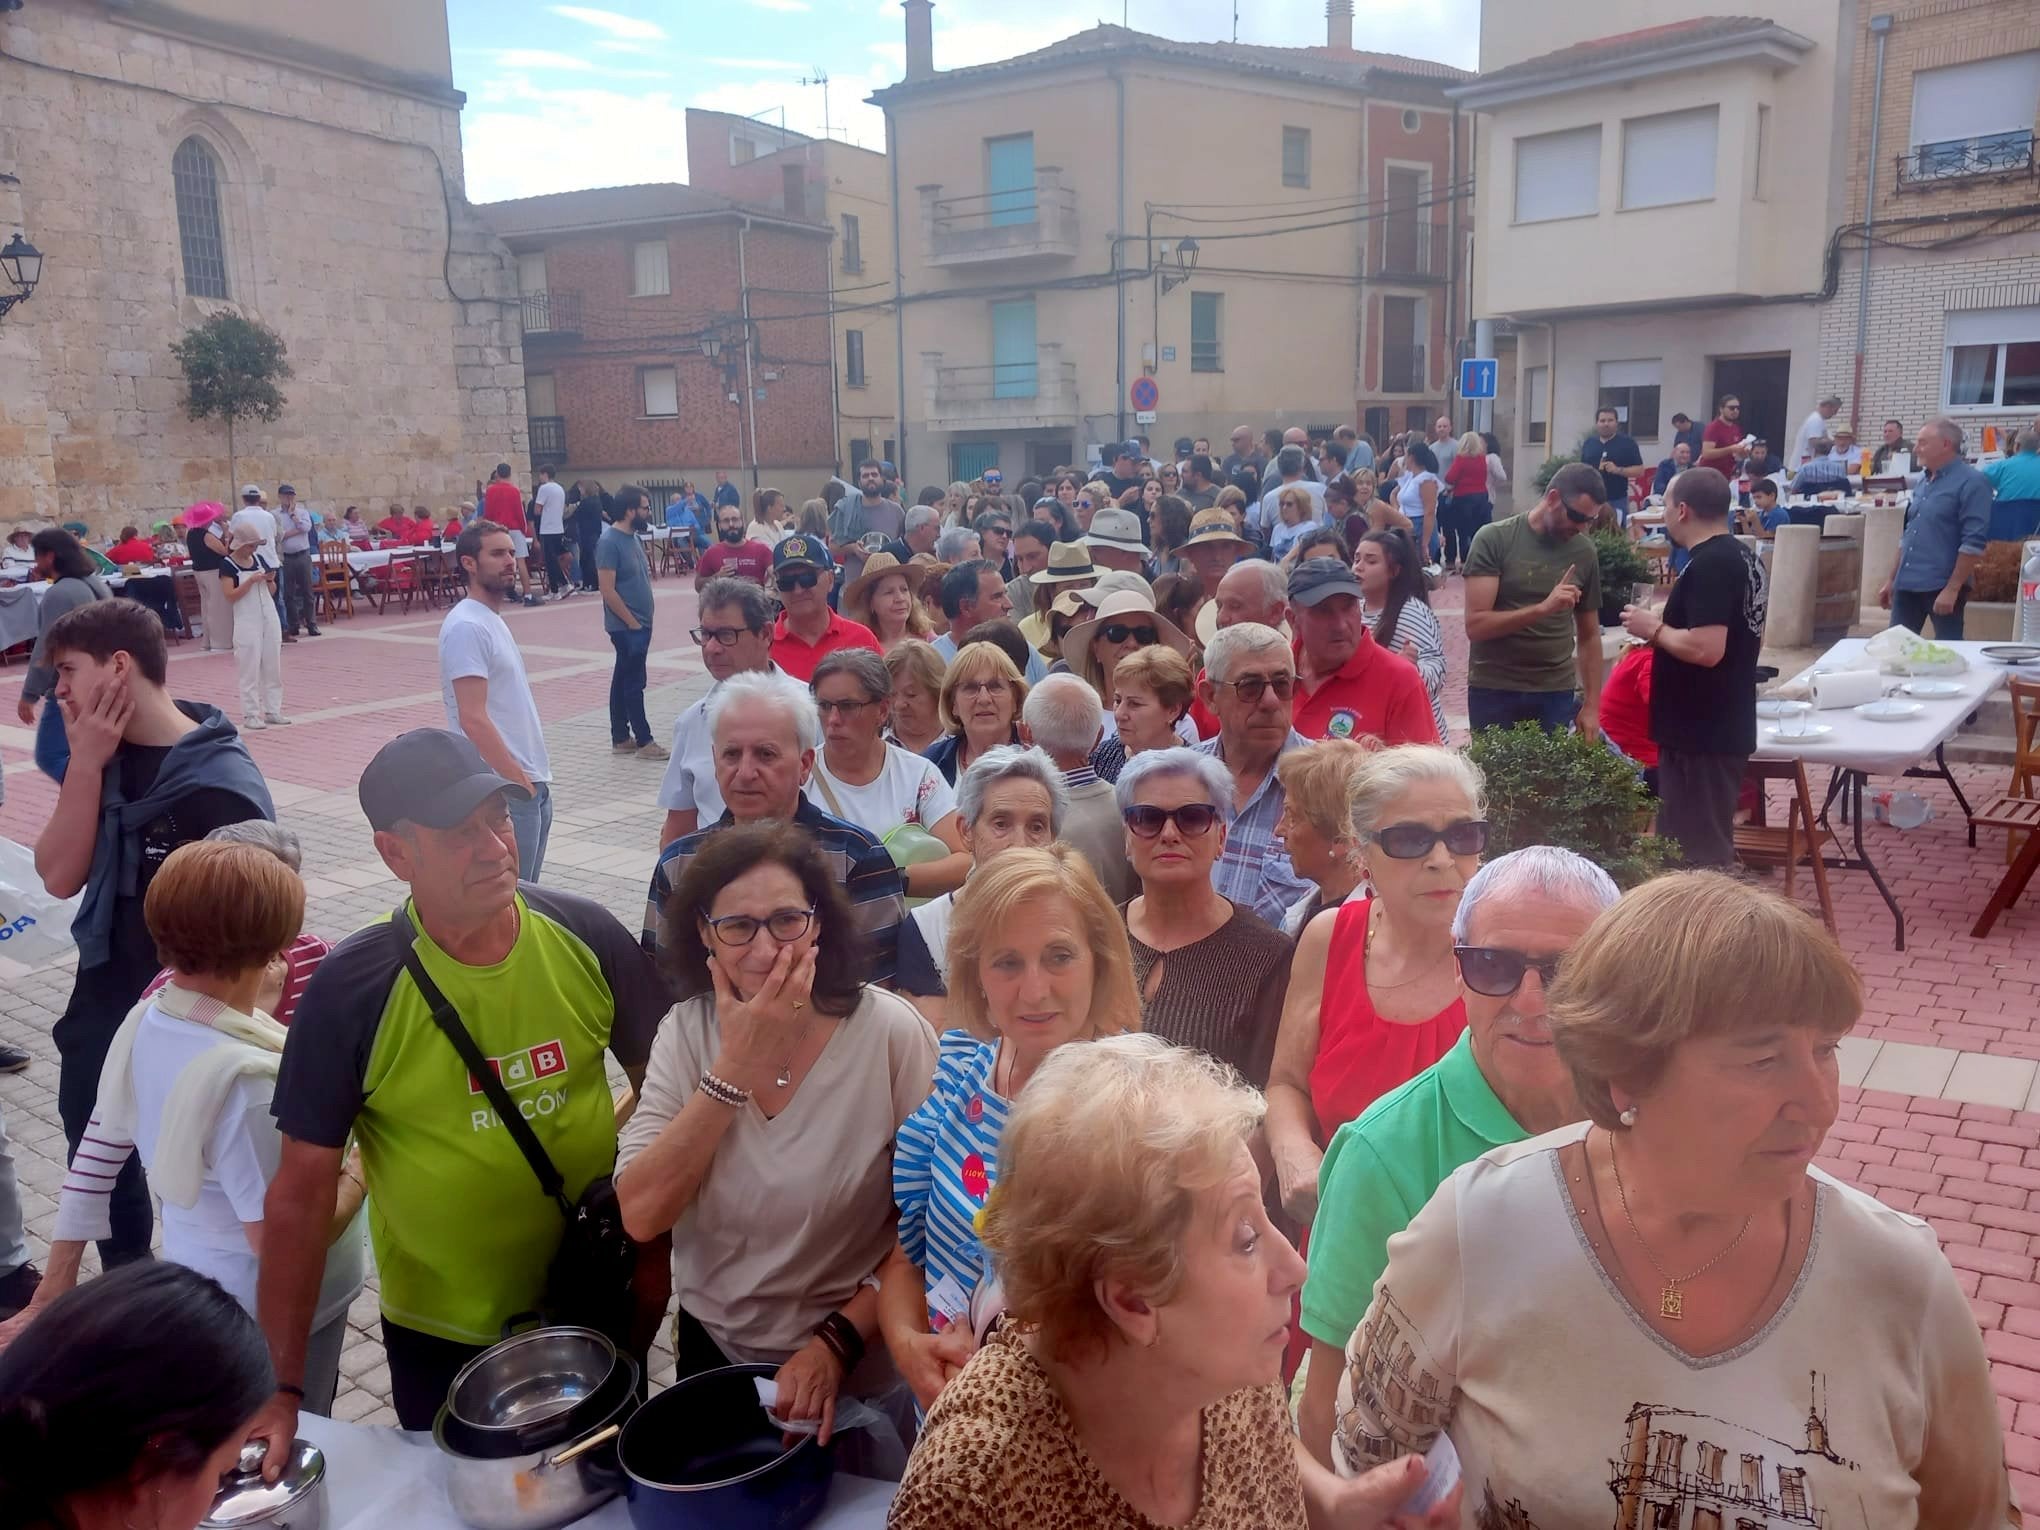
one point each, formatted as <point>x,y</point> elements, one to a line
<point>1348,685</point>
<point>1124,479</point>
<point>1249,677</point>
<point>1114,540</point>
<point>804,574</point>
<point>254,513</point>
<point>545,983</point>
<point>486,692</point>
<point>295,534</point>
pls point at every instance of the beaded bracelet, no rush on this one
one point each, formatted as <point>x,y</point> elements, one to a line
<point>723,1092</point>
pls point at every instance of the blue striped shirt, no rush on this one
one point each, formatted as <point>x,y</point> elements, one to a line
<point>945,1160</point>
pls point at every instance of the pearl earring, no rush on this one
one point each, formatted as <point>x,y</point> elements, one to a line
<point>1628,1117</point>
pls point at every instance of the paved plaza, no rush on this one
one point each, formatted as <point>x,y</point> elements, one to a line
<point>1941,1116</point>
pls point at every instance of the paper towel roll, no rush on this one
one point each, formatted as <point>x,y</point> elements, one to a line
<point>1846,688</point>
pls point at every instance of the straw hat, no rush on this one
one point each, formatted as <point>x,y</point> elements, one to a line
<point>1067,563</point>
<point>876,567</point>
<point>1214,525</point>
<point>1130,607</point>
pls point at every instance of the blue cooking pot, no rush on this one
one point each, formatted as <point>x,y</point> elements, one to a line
<point>705,1455</point>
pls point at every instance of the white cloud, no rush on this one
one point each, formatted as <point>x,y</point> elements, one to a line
<point>781,64</point>
<point>538,58</point>
<point>781,5</point>
<point>612,22</point>
<point>524,140</point>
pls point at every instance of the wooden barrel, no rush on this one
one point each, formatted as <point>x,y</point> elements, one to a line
<point>1838,588</point>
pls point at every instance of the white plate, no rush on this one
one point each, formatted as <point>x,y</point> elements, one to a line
<point>1775,706</point>
<point>1888,710</point>
<point>1931,690</point>
<point>1809,732</point>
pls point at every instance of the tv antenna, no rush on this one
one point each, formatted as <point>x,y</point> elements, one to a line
<point>820,77</point>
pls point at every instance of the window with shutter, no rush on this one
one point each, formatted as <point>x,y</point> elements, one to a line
<point>853,357</point>
<point>1670,157</point>
<point>853,244</point>
<point>1974,119</point>
<point>1207,331</point>
<point>1558,175</point>
<point>1295,156</point>
<point>661,386</point>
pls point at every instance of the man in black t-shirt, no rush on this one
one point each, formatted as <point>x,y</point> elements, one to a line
<point>1618,457</point>
<point>1124,480</point>
<point>1703,676</point>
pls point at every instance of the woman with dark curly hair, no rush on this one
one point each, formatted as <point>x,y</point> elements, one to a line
<point>1168,529</point>
<point>762,1139</point>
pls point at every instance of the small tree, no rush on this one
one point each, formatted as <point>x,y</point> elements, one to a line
<point>1562,789</point>
<point>232,366</point>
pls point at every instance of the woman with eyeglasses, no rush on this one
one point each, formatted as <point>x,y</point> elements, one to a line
<point>1210,973</point>
<point>981,697</point>
<point>1373,993</point>
<point>763,1135</point>
<point>880,787</point>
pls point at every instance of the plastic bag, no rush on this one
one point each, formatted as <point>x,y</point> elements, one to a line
<point>1896,651</point>
<point>35,928</point>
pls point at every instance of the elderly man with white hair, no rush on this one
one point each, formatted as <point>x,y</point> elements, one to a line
<point>1252,590</point>
<point>1062,717</point>
<point>1502,1082</point>
<point>921,534</point>
<point>766,731</point>
<point>1248,682</point>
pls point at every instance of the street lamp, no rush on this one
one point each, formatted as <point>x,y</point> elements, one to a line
<point>21,263</point>
<point>1186,264</point>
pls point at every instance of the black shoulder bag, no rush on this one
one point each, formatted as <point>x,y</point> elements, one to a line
<point>588,1283</point>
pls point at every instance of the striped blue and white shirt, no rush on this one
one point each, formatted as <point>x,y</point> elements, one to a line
<point>945,1161</point>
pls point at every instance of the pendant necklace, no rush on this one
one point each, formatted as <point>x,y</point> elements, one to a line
<point>1671,1298</point>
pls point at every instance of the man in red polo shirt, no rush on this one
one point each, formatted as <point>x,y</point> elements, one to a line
<point>503,503</point>
<point>804,573</point>
<point>1348,685</point>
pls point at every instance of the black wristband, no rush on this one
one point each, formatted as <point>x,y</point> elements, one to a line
<point>843,1339</point>
<point>294,1391</point>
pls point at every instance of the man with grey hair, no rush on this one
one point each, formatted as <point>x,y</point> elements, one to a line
<point>1811,429</point>
<point>1062,718</point>
<point>766,730</point>
<point>735,638</point>
<point>958,544</point>
<point>923,529</point>
<point>1249,678</point>
<point>1295,436</point>
<point>1944,536</point>
<point>1252,590</point>
<point>1502,1082</point>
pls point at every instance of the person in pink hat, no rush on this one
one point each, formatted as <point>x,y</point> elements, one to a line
<point>205,526</point>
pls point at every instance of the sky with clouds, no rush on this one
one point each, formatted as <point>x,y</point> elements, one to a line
<point>562,96</point>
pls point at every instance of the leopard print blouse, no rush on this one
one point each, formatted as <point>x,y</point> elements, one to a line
<point>999,1452</point>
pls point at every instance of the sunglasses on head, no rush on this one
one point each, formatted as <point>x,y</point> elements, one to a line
<point>805,579</point>
<point>1413,841</point>
<point>1498,971</point>
<point>1119,632</point>
<point>1191,819</point>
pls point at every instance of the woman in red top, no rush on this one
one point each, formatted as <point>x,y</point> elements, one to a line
<point>132,547</point>
<point>1470,507</point>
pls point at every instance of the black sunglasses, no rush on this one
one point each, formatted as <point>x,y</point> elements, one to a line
<point>1580,519</point>
<point>1251,689</point>
<point>1498,972</point>
<point>1119,632</point>
<point>1192,819</point>
<point>806,579</point>
<point>1413,841</point>
<point>724,636</point>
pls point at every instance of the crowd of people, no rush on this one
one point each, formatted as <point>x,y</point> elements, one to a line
<point>1073,1015</point>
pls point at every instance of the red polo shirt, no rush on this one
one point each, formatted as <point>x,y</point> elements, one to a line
<point>799,658</point>
<point>1374,693</point>
<point>503,503</point>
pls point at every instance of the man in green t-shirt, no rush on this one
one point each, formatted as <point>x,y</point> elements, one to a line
<point>1501,1083</point>
<point>1533,601</point>
<point>545,982</point>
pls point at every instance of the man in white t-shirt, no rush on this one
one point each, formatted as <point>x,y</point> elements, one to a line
<point>1814,427</point>
<point>487,695</point>
<point>551,502</point>
<point>254,513</point>
<point>735,636</point>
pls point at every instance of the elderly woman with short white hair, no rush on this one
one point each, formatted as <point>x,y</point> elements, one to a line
<point>1211,974</point>
<point>1136,1381</point>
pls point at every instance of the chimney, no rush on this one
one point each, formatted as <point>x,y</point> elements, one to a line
<point>1339,26</point>
<point>920,38</point>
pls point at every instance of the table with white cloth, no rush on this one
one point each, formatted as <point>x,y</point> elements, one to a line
<point>1859,748</point>
<point>160,598</point>
<point>380,1477</point>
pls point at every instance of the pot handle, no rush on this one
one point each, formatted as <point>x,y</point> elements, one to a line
<point>578,1449</point>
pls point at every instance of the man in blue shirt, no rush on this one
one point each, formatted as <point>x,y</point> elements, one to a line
<point>2018,476</point>
<point>727,493</point>
<point>1680,459</point>
<point>1684,429</point>
<point>1824,470</point>
<point>1944,536</point>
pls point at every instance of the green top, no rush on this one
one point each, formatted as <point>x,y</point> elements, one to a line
<point>1379,1172</point>
<point>1529,563</point>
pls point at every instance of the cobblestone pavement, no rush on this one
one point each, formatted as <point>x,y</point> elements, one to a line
<point>1942,1071</point>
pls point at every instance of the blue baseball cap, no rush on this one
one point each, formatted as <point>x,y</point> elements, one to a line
<point>804,551</point>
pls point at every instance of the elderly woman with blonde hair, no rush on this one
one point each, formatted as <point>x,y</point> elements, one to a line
<point>1316,825</point>
<point>1667,1302</point>
<point>1135,1382</point>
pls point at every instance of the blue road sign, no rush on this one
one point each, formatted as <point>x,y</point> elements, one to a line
<point>1477,376</point>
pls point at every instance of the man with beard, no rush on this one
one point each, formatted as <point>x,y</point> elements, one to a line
<point>624,576</point>
<point>731,554</point>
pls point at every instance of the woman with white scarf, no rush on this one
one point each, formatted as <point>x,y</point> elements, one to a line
<point>187,1083</point>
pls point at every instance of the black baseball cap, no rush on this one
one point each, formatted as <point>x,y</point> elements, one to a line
<point>1316,579</point>
<point>429,776</point>
<point>1126,449</point>
<point>284,488</point>
<point>809,551</point>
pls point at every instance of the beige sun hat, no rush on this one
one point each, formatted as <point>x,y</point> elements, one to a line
<point>1129,606</point>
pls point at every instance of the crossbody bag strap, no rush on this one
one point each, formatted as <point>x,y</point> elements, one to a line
<point>447,1018</point>
<point>823,782</point>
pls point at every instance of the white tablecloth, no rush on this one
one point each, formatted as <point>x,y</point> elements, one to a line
<point>1886,748</point>
<point>380,1478</point>
<point>112,581</point>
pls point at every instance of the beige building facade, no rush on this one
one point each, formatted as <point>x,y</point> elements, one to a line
<point>296,162</point>
<point>1271,236</point>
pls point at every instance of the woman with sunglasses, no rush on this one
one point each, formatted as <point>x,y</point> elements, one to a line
<point>1210,973</point>
<point>763,1135</point>
<point>1126,621</point>
<point>1396,608</point>
<point>1093,497</point>
<point>1373,993</point>
<point>981,697</point>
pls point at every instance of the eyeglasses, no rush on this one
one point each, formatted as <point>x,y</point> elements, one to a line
<point>846,708</point>
<point>1498,972</point>
<point>724,636</point>
<point>1191,819</point>
<point>979,687</point>
<point>1119,632</point>
<point>1413,841</point>
<point>786,925</point>
<point>806,579</point>
<point>1253,687</point>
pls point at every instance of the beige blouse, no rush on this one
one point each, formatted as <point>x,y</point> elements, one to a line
<point>796,1210</point>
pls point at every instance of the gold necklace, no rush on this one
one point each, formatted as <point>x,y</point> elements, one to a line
<point>1367,954</point>
<point>1671,1300</point>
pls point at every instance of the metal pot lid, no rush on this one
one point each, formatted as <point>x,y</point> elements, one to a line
<point>245,1499</point>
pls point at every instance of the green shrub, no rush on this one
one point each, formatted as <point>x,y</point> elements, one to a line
<point>1621,566</point>
<point>1542,477</point>
<point>1562,789</point>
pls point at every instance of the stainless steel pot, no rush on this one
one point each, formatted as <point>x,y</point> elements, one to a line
<point>531,1378</point>
<point>295,1501</point>
<point>540,1488</point>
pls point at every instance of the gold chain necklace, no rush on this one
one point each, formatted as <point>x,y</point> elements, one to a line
<point>1671,1300</point>
<point>1367,954</point>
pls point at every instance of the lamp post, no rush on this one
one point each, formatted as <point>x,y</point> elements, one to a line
<point>1186,265</point>
<point>21,263</point>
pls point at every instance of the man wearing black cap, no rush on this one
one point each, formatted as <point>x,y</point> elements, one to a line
<point>803,573</point>
<point>544,982</point>
<point>1124,480</point>
<point>294,544</point>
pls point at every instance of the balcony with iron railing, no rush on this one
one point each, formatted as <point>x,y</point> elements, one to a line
<point>548,440</point>
<point>1403,249</point>
<point>1020,395</point>
<point>551,312</point>
<point>1402,369</point>
<point>1029,222</point>
<point>1998,156</point>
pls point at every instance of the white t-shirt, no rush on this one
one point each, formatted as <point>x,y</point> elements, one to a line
<point>1409,495</point>
<point>908,789</point>
<point>771,536</point>
<point>263,521</point>
<point>552,509</point>
<point>690,775</point>
<point>473,641</point>
<point>1811,429</point>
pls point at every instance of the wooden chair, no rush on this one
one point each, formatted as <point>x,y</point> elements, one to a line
<point>189,606</point>
<point>404,579</point>
<point>2019,817</point>
<point>1795,842</point>
<point>2025,754</point>
<point>333,581</point>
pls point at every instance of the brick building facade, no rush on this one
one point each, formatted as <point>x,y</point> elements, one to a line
<point>636,302</point>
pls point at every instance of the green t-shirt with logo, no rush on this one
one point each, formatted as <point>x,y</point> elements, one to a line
<point>462,1232</point>
<point>1527,564</point>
